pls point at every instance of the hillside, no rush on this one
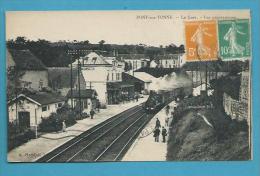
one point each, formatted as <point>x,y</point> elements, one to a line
<point>206,135</point>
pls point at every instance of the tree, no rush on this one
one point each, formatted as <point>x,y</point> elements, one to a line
<point>86,42</point>
<point>21,41</point>
<point>13,81</point>
<point>102,42</point>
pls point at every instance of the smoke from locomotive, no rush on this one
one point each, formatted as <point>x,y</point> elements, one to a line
<point>166,89</point>
<point>170,81</point>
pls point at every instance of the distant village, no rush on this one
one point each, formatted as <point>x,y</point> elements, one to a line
<point>94,80</point>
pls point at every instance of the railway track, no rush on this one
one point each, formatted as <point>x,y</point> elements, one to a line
<point>107,141</point>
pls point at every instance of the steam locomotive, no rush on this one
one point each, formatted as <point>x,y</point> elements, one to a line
<point>158,99</point>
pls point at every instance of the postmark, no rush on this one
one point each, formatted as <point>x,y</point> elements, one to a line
<point>201,40</point>
<point>234,39</point>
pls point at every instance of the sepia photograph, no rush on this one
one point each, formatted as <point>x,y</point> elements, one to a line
<point>147,85</point>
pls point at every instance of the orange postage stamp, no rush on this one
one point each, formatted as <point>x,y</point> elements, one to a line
<point>201,40</point>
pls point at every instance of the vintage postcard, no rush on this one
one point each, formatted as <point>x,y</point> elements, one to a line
<point>154,85</point>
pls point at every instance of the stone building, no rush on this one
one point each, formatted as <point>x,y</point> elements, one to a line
<point>238,107</point>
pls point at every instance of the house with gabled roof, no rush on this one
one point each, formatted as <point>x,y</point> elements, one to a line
<point>33,73</point>
<point>29,109</point>
<point>101,76</point>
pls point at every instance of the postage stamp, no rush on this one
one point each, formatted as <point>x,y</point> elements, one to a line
<point>234,38</point>
<point>201,40</point>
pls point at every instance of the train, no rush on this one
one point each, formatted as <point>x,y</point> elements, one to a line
<point>158,99</point>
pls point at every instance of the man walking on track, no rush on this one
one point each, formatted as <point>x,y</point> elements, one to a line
<point>164,134</point>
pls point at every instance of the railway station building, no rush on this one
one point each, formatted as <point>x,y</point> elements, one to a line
<point>104,75</point>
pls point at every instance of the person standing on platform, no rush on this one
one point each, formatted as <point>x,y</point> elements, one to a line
<point>167,110</point>
<point>63,126</point>
<point>167,121</point>
<point>156,134</point>
<point>164,134</point>
<point>92,112</point>
<point>136,97</point>
<point>157,123</point>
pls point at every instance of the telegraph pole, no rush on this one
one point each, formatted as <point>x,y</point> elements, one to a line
<point>77,53</point>
<point>79,86</point>
<point>71,79</point>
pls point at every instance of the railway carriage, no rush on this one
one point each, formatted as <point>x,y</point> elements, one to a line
<point>158,99</point>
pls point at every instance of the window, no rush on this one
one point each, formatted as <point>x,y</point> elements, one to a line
<point>44,108</point>
<point>85,60</point>
<point>112,76</point>
<point>94,59</point>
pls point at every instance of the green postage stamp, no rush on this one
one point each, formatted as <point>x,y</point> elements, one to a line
<point>234,39</point>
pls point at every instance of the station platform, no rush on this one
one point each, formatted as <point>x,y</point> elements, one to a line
<point>36,148</point>
<point>145,148</point>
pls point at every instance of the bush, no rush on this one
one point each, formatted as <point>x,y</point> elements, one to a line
<point>15,138</point>
<point>51,124</point>
<point>54,122</point>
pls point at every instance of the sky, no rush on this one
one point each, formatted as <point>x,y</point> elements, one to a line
<point>153,28</point>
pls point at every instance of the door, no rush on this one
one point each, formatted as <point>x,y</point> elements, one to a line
<point>24,120</point>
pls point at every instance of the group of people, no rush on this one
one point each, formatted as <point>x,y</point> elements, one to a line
<point>157,131</point>
<point>161,129</point>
